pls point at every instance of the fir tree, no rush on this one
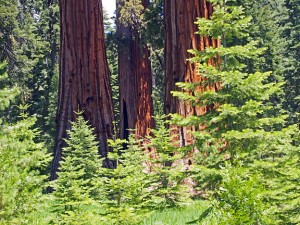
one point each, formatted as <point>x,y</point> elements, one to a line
<point>29,44</point>
<point>7,93</point>
<point>240,197</point>
<point>22,162</point>
<point>239,130</point>
<point>75,187</point>
<point>167,170</point>
<point>291,69</point>
<point>126,187</point>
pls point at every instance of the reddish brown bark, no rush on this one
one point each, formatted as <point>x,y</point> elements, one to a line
<point>180,16</point>
<point>84,82</point>
<point>135,78</point>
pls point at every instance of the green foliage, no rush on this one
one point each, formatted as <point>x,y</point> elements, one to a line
<point>291,54</point>
<point>126,187</point>
<point>75,186</point>
<point>29,34</point>
<point>155,38</point>
<point>22,161</point>
<point>8,12</point>
<point>280,169</point>
<point>131,13</point>
<point>112,58</point>
<point>121,195</point>
<point>266,28</point>
<point>167,171</point>
<point>240,197</point>
<point>226,23</point>
<point>7,93</point>
<point>241,130</point>
<point>246,161</point>
<point>43,82</point>
<point>269,27</point>
<point>22,45</point>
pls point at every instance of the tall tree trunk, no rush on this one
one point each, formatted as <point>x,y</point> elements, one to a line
<point>180,16</point>
<point>135,78</point>
<point>84,82</point>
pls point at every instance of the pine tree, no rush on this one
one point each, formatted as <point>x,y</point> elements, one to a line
<point>29,38</point>
<point>22,166</point>
<point>275,26</point>
<point>166,169</point>
<point>44,75</point>
<point>126,187</point>
<point>7,92</point>
<point>239,199</point>
<point>8,14</point>
<point>75,187</point>
<point>240,131</point>
<point>291,70</point>
<point>22,161</point>
<point>267,27</point>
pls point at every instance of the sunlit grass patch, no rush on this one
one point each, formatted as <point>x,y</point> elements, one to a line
<point>188,214</point>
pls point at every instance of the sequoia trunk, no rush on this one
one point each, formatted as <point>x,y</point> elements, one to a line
<point>135,80</point>
<point>180,16</point>
<point>84,83</point>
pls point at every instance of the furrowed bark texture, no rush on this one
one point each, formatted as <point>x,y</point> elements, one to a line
<point>180,16</point>
<point>135,78</point>
<point>84,82</point>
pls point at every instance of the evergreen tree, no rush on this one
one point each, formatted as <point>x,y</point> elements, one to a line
<point>239,200</point>
<point>22,162</point>
<point>275,26</point>
<point>75,187</point>
<point>167,171</point>
<point>126,187</point>
<point>266,27</point>
<point>23,45</point>
<point>44,82</point>
<point>8,14</point>
<point>29,38</point>
<point>291,70</point>
<point>239,130</point>
<point>8,93</point>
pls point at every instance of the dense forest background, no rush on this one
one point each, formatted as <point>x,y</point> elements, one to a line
<point>171,112</point>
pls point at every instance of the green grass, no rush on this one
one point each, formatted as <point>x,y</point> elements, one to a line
<point>189,214</point>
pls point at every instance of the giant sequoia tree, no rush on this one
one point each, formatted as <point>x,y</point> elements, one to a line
<point>135,76</point>
<point>84,75</point>
<point>180,36</point>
